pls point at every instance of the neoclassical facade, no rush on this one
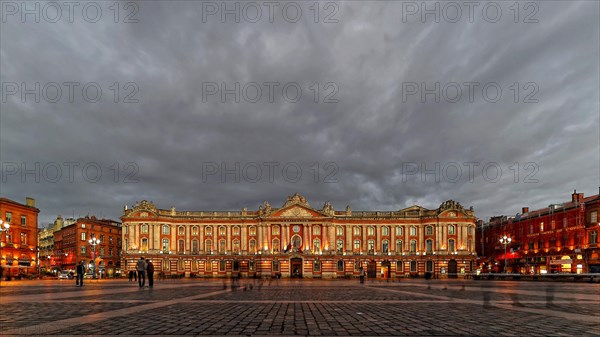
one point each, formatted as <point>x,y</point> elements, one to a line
<point>297,240</point>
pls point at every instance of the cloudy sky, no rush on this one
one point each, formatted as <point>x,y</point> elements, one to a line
<point>223,105</point>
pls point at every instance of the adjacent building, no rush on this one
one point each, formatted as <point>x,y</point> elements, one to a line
<point>51,258</point>
<point>72,245</point>
<point>19,224</point>
<point>560,238</point>
<point>298,240</point>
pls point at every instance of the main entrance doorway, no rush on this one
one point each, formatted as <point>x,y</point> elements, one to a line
<point>386,271</point>
<point>452,269</point>
<point>372,269</point>
<point>296,267</point>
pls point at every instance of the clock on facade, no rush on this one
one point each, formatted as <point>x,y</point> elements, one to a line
<point>296,229</point>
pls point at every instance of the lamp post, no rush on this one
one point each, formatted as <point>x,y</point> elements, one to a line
<point>93,241</point>
<point>505,240</point>
<point>4,228</point>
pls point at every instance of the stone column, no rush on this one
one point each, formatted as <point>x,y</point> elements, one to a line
<point>173,231</point>
<point>378,238</point>
<point>201,235</point>
<point>393,239</point>
<point>228,240</point>
<point>363,229</point>
<point>188,238</point>
<point>244,238</point>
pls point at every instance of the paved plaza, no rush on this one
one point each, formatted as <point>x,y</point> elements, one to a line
<point>301,307</point>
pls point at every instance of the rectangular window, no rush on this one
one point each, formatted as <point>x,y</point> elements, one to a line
<point>23,238</point>
<point>221,265</point>
<point>413,266</point>
<point>429,230</point>
<point>165,229</point>
<point>385,230</point>
<point>594,217</point>
<point>340,265</point>
<point>371,231</point>
<point>83,235</point>
<point>541,226</point>
<point>276,266</point>
<point>8,217</point>
<point>251,265</point>
<point>165,264</point>
<point>110,252</point>
<point>399,266</point>
<point>593,237</point>
<point>356,231</point>
<point>317,230</point>
<point>252,231</point>
<point>339,231</point>
<point>82,225</point>
<point>110,240</point>
<point>23,220</point>
<point>413,231</point>
<point>275,230</point>
<point>144,229</point>
<point>317,265</point>
<point>101,251</point>
<point>82,250</point>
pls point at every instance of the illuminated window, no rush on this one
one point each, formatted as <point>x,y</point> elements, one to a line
<point>195,230</point>
<point>208,230</point>
<point>385,230</point>
<point>316,245</point>
<point>181,230</point>
<point>413,246</point>
<point>317,230</point>
<point>208,246</point>
<point>371,246</point>
<point>236,230</point>
<point>222,231</point>
<point>83,236</point>
<point>541,226</point>
<point>451,230</point>
<point>340,231</point>
<point>356,231</point>
<point>385,246</point>
<point>23,238</point>
<point>82,250</point>
<point>144,229</point>
<point>165,229</point>
<point>252,230</point>
<point>357,246</point>
<point>340,245</point>
<point>371,230</point>
<point>236,246</point>
<point>317,265</point>
<point>165,245</point>
<point>276,245</point>
<point>82,225</point>
<point>413,230</point>
<point>399,230</point>
<point>252,247</point>
<point>144,244</point>
<point>275,230</point>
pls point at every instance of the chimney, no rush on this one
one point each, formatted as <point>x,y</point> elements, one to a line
<point>525,210</point>
<point>574,196</point>
<point>30,202</point>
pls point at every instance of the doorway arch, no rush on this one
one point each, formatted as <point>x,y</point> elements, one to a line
<point>296,267</point>
<point>452,268</point>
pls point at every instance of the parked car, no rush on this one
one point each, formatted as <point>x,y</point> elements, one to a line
<point>65,275</point>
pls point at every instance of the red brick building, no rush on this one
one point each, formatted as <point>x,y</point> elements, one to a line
<point>19,242</point>
<point>73,243</point>
<point>298,240</point>
<point>561,238</point>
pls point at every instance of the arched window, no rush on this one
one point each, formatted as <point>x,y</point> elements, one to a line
<point>144,245</point>
<point>316,246</point>
<point>222,231</point>
<point>413,246</point>
<point>236,246</point>
<point>413,230</point>
<point>339,246</point>
<point>222,244</point>
<point>165,245</point>
<point>252,230</point>
<point>195,230</point>
<point>208,231</point>
<point>296,242</point>
<point>252,246</point>
<point>208,245</point>
<point>165,229</point>
<point>144,229</point>
<point>399,246</point>
<point>356,231</point>
<point>385,246</point>
<point>371,246</point>
<point>195,246</point>
<point>451,246</point>
<point>181,230</point>
<point>340,265</point>
<point>429,246</point>
<point>276,245</point>
<point>371,230</point>
<point>451,230</point>
<point>429,230</point>
<point>236,230</point>
<point>385,230</point>
<point>339,231</point>
<point>180,246</point>
<point>275,230</point>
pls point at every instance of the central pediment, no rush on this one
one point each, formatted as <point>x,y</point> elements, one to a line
<point>296,212</point>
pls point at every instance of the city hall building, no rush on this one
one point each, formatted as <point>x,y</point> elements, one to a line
<point>297,240</point>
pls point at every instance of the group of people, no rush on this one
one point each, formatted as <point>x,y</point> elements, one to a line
<point>143,267</point>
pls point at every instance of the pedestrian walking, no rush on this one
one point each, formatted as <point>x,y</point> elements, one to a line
<point>150,272</point>
<point>362,275</point>
<point>141,267</point>
<point>80,273</point>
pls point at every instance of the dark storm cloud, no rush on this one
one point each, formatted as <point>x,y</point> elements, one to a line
<point>160,147</point>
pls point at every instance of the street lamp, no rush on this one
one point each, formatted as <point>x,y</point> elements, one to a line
<point>93,241</point>
<point>505,240</point>
<point>4,228</point>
